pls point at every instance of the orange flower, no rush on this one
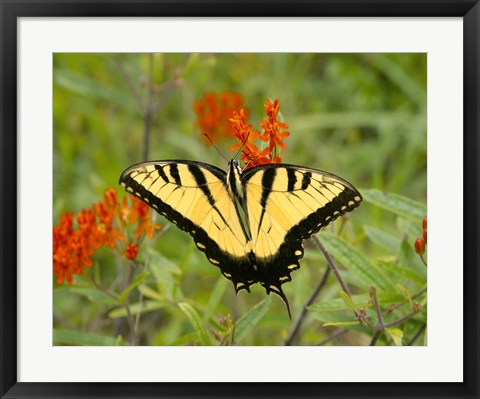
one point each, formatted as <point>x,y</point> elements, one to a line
<point>62,254</point>
<point>213,114</point>
<point>244,133</point>
<point>141,212</point>
<point>104,225</point>
<point>107,232</point>
<point>272,126</point>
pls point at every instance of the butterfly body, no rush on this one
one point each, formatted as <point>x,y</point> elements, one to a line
<point>250,224</point>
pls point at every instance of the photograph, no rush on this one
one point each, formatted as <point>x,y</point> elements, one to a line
<point>239,199</point>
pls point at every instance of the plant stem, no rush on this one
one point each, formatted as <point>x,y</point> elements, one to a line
<point>148,111</point>
<point>131,320</point>
<point>131,85</point>
<point>373,294</point>
<point>332,265</point>
<point>401,319</point>
<point>416,335</point>
<point>375,338</point>
<point>296,327</point>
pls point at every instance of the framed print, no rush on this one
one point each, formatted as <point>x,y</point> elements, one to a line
<point>215,199</point>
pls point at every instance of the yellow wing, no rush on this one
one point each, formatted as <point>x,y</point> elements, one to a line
<point>286,204</point>
<point>193,196</point>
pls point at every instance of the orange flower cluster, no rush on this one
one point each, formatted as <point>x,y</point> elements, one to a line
<point>105,224</point>
<point>273,133</point>
<point>213,114</point>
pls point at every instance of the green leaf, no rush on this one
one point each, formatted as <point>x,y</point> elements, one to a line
<point>410,228</point>
<point>354,260</point>
<point>396,334</point>
<point>348,300</point>
<point>246,323</point>
<point>396,203</point>
<point>215,297</point>
<point>402,271</point>
<point>160,264</point>
<point>383,239</point>
<point>184,340</point>
<point>139,279</point>
<point>361,301</point>
<point>347,320</point>
<point>135,308</point>
<point>406,294</point>
<point>94,295</point>
<point>68,337</point>
<point>165,273</point>
<point>196,322</point>
<point>341,324</point>
<point>150,293</point>
<point>81,84</point>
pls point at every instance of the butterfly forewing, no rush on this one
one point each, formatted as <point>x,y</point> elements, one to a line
<point>193,196</point>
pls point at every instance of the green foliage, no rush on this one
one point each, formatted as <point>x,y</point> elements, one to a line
<point>248,321</point>
<point>360,116</point>
<point>196,322</point>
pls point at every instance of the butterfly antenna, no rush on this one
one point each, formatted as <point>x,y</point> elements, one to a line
<point>214,146</point>
<point>241,147</point>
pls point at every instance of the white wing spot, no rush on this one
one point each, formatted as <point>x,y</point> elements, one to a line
<point>350,203</point>
<point>228,275</point>
<point>130,189</point>
<point>200,245</point>
<point>284,278</point>
<point>214,261</point>
<point>336,213</point>
<point>155,206</point>
<point>239,285</point>
<point>122,184</point>
<point>344,207</point>
<point>298,252</point>
<point>274,288</point>
<point>146,200</point>
<point>294,266</point>
<point>138,194</point>
<point>328,218</point>
<point>357,198</point>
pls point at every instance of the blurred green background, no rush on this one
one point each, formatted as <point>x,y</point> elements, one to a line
<point>360,116</point>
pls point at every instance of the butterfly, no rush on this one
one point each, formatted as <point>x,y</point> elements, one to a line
<point>252,223</point>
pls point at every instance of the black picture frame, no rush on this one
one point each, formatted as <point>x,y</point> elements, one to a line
<point>11,10</point>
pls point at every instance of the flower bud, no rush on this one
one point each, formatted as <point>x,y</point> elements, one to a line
<point>420,246</point>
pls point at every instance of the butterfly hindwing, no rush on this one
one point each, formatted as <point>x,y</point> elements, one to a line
<point>285,205</point>
<point>193,196</point>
